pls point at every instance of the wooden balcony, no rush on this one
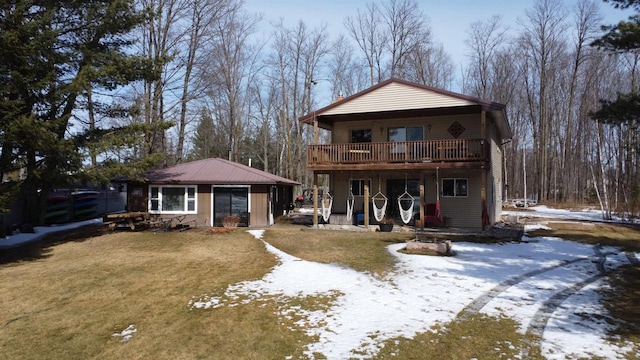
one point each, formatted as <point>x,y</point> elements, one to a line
<point>467,153</point>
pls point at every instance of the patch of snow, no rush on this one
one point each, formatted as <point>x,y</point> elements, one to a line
<point>126,334</point>
<point>547,212</point>
<point>424,291</point>
<point>40,231</point>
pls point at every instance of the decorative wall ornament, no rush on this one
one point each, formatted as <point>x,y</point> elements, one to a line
<point>456,129</point>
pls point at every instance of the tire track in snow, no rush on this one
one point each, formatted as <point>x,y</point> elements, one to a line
<point>539,321</point>
<point>541,318</point>
<point>476,305</point>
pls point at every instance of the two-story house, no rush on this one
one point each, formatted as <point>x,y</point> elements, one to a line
<point>398,138</point>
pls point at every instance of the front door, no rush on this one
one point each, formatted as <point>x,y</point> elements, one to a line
<point>230,201</point>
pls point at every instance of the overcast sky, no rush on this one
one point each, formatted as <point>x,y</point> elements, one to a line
<point>449,19</point>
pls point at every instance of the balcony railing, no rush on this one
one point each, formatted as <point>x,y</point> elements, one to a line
<point>467,150</point>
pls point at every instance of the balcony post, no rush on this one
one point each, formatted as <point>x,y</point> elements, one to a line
<point>315,200</point>
<point>316,133</point>
<point>483,185</point>
<point>422,181</point>
<point>366,204</point>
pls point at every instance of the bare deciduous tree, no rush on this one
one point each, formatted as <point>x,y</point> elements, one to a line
<point>229,72</point>
<point>406,30</point>
<point>485,40</point>
<point>429,64</point>
<point>202,15</point>
<point>346,75</point>
<point>159,42</point>
<point>366,29</point>
<point>173,38</point>
<point>543,43</point>
<point>585,26</point>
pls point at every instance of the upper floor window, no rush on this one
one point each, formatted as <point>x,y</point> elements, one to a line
<point>361,136</point>
<point>414,133</point>
<point>172,199</point>
<point>454,187</point>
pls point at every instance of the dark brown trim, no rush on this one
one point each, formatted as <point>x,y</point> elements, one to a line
<point>327,122</point>
<point>328,169</point>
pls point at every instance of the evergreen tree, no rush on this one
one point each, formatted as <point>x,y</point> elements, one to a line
<point>204,142</point>
<point>625,36</point>
<point>52,54</point>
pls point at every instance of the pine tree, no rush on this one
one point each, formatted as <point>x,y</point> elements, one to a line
<point>204,143</point>
<point>624,36</point>
<point>52,54</point>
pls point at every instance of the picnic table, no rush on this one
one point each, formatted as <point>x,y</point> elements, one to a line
<point>142,219</point>
<point>132,219</point>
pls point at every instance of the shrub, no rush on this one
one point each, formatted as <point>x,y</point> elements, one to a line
<point>231,221</point>
<point>387,220</point>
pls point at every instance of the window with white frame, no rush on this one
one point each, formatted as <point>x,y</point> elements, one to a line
<point>172,199</point>
<point>357,186</point>
<point>454,187</point>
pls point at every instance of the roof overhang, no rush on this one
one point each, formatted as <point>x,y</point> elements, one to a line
<point>174,182</point>
<point>457,104</point>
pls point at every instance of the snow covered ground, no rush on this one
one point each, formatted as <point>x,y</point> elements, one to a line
<point>19,239</point>
<point>547,212</point>
<point>548,285</point>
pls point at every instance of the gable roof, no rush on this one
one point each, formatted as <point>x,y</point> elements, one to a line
<point>400,96</point>
<point>216,171</point>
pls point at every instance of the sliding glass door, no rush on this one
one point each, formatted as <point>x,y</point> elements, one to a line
<point>230,201</point>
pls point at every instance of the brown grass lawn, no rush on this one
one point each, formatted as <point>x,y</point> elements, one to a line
<point>626,236</point>
<point>65,299</point>
<point>362,251</point>
<point>67,303</point>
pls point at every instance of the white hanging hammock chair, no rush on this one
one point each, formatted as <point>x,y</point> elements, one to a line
<point>379,210</point>
<point>406,213</point>
<point>350,201</point>
<point>327,203</point>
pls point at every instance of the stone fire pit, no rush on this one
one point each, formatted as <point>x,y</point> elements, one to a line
<point>438,247</point>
